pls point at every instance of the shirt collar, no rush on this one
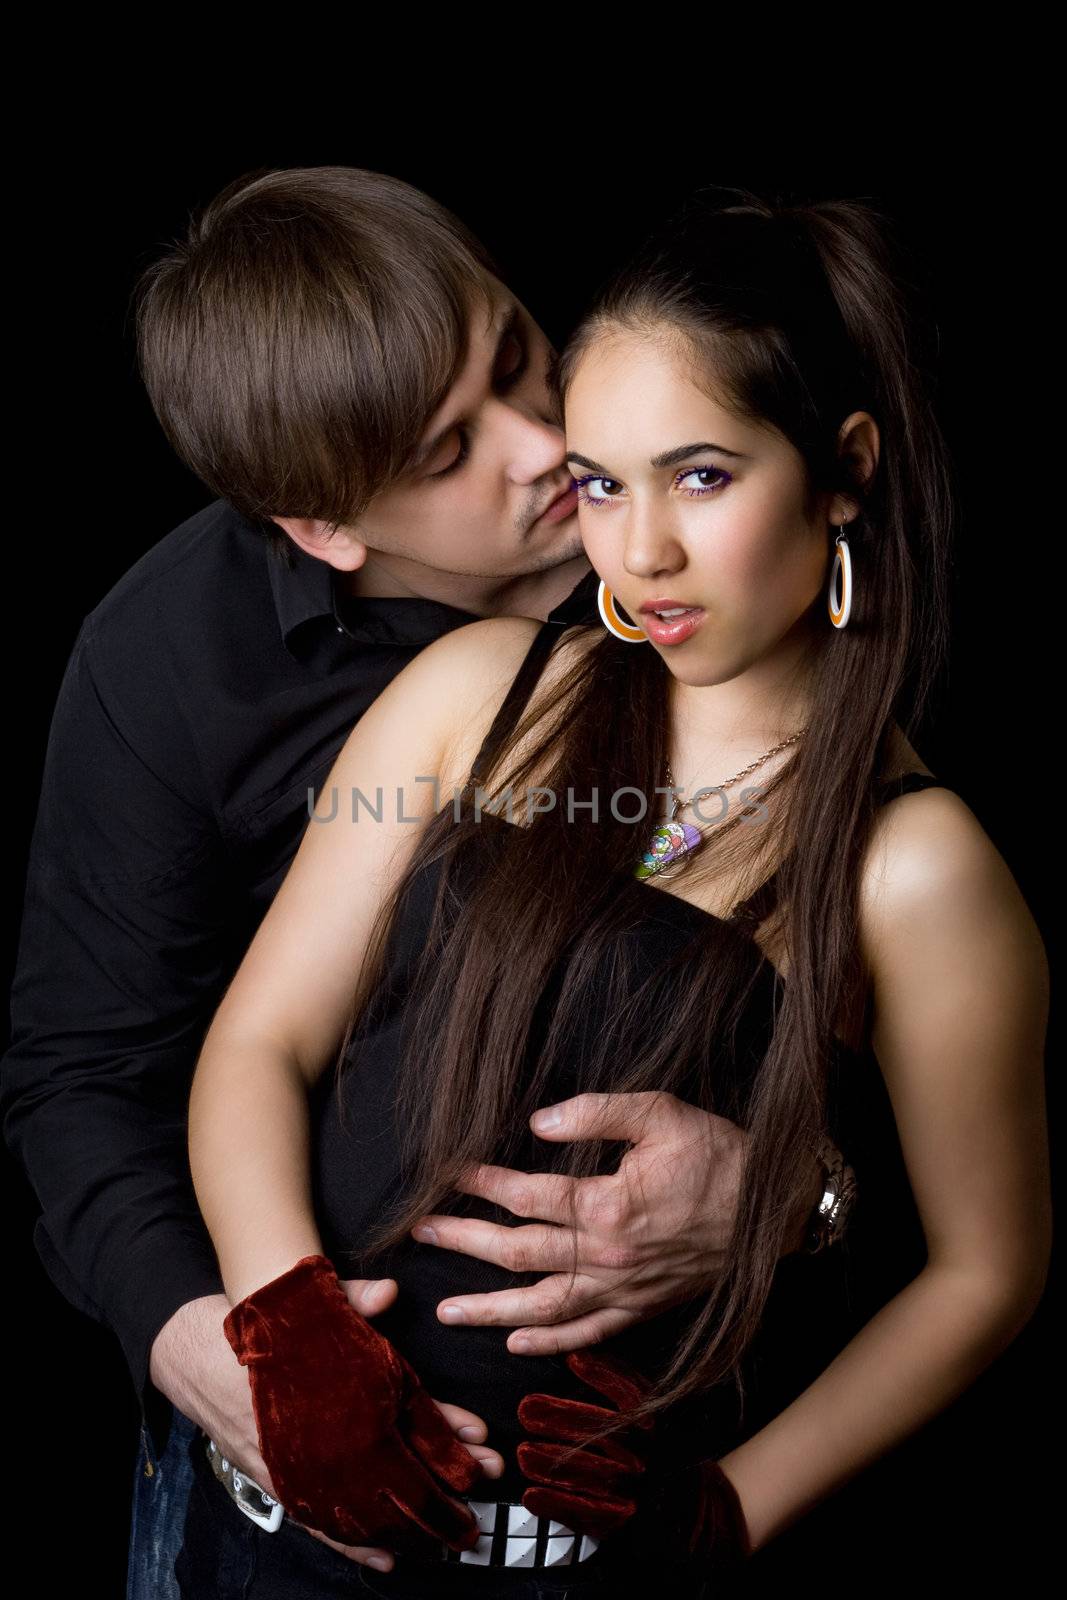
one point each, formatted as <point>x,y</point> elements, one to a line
<point>301,591</point>
<point>308,590</point>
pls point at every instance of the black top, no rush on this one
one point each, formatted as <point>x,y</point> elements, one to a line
<point>816,1303</point>
<point>204,702</point>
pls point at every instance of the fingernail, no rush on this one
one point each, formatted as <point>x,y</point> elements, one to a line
<point>379,1563</point>
<point>427,1234</point>
<point>470,1432</point>
<point>522,1344</point>
<point>544,1120</point>
<point>453,1314</point>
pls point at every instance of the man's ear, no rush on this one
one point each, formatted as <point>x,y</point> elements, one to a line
<point>338,547</point>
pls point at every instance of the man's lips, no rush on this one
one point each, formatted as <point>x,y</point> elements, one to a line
<point>560,507</point>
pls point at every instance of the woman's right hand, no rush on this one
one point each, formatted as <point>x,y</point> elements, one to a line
<point>460,1420</point>
<point>369,1297</point>
<point>214,1391</point>
<point>303,1415</point>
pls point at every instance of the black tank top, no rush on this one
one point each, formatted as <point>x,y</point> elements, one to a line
<point>817,1302</point>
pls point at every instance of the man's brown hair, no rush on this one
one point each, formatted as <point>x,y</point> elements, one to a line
<point>296,342</point>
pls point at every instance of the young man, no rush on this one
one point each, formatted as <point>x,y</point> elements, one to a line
<point>340,362</point>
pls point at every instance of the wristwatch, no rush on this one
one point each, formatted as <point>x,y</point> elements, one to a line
<point>827,1221</point>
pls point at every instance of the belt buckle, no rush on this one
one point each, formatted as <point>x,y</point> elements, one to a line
<point>511,1536</point>
<point>246,1494</point>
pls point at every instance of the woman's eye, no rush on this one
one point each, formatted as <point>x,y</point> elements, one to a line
<point>610,487</point>
<point>704,472</point>
<point>583,484</point>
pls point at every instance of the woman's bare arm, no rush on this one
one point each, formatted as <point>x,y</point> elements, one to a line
<point>960,981</point>
<point>282,1018</point>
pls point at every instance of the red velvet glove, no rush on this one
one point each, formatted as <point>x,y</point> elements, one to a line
<point>685,1518</point>
<point>354,1444</point>
<point>596,1491</point>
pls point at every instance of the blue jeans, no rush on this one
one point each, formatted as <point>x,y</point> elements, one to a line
<point>157,1518</point>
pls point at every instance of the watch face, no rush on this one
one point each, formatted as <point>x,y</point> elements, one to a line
<point>846,1194</point>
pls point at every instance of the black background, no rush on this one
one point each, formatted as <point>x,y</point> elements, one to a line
<point>97,485</point>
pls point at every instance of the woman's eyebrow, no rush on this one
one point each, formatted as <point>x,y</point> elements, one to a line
<point>669,458</point>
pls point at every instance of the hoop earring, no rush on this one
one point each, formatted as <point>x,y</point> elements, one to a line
<point>609,615</point>
<point>840,610</point>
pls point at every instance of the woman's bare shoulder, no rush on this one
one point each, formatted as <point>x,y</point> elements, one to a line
<point>497,645</point>
<point>933,881</point>
<point>960,988</point>
<point>479,665</point>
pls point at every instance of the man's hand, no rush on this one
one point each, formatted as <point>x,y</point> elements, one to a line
<point>193,1365</point>
<point>651,1234</point>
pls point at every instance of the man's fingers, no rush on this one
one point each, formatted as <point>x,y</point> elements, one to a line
<point>549,1317</point>
<point>574,1335</point>
<point>432,1440</point>
<point>606,1116</point>
<point>467,1424</point>
<point>539,1247</point>
<point>370,1296</point>
<point>549,1300</point>
<point>361,1554</point>
<point>542,1195</point>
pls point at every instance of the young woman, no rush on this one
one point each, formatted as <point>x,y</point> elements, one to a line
<point>695,854</point>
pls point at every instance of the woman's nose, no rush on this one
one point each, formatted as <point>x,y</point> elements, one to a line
<point>651,544</point>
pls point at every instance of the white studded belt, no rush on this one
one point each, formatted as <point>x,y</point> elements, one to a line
<point>511,1536</point>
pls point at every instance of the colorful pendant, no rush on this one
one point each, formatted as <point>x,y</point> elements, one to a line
<point>670,840</point>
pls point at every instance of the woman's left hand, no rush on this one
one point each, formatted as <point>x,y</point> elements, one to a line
<point>594,1490</point>
<point>682,1517</point>
<point>650,1235</point>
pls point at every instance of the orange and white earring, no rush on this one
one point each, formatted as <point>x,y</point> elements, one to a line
<point>612,619</point>
<point>840,608</point>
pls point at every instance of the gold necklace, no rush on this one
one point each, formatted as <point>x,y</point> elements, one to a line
<point>672,841</point>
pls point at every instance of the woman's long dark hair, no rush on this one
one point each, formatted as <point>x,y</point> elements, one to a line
<point>799,315</point>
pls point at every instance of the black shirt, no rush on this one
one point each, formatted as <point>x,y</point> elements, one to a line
<point>204,702</point>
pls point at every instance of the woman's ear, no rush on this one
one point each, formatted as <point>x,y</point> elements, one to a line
<point>859,443</point>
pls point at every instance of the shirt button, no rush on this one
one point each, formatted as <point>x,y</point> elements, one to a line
<point>339,628</point>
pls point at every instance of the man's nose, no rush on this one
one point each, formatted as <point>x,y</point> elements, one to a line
<point>537,445</point>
